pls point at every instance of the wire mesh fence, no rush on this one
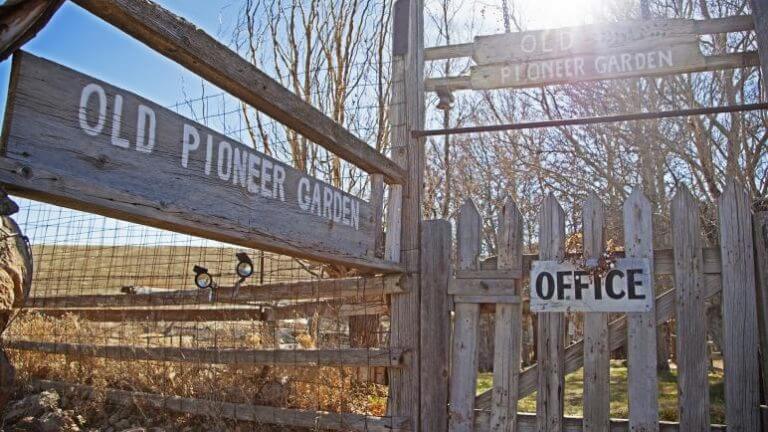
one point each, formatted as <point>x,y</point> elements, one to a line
<point>115,305</point>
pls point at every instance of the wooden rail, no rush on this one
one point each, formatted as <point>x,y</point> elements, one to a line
<point>352,357</point>
<point>234,411</point>
<point>191,47</point>
<point>527,423</point>
<point>346,288</point>
<point>152,315</point>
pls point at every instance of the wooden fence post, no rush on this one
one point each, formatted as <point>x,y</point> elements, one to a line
<point>641,343</point>
<point>509,332</point>
<point>435,323</point>
<point>407,114</point>
<point>597,355</point>
<point>760,230</point>
<point>691,342</point>
<point>551,326</point>
<point>742,394</point>
<point>760,16</point>
<point>465,327</point>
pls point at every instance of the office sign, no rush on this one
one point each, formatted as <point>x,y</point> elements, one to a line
<point>565,287</point>
<point>76,141</point>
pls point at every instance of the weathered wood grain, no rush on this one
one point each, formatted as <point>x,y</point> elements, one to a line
<point>323,357</point>
<point>760,21</point>
<point>704,64</point>
<point>436,245</point>
<point>508,332</point>
<point>152,315</point>
<point>641,345</point>
<point>760,238</point>
<point>691,340</point>
<point>742,390</point>
<point>464,352</point>
<point>597,356</point>
<point>233,411</point>
<point>322,289</point>
<point>191,47</point>
<point>407,114</point>
<point>550,402</point>
<point>696,27</point>
<point>75,141</point>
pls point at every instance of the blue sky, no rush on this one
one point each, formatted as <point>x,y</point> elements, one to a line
<point>79,40</point>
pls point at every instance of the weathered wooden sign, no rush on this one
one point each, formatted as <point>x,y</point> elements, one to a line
<point>76,141</point>
<point>625,37</point>
<point>564,287</point>
<point>673,59</point>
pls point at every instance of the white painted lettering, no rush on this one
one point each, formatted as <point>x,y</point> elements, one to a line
<point>145,129</point>
<point>190,141</point>
<point>85,97</point>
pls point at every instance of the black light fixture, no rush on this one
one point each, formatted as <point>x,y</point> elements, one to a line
<point>244,267</point>
<point>203,279</point>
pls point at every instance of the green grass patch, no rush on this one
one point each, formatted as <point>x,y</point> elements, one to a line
<point>574,393</point>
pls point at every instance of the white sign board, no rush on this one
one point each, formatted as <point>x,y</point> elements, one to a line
<point>565,287</point>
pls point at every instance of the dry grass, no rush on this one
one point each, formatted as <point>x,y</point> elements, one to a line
<point>313,388</point>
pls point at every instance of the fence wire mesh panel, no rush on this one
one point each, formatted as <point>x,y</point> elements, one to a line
<point>115,314</point>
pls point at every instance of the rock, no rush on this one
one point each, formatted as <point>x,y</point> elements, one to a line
<point>33,406</point>
<point>55,421</point>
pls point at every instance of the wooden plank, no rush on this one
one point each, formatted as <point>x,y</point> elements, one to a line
<point>601,38</point>
<point>699,27</point>
<point>391,357</point>
<point>550,404</point>
<point>185,43</point>
<point>75,141</point>
<point>488,299</point>
<point>760,238</point>
<point>617,338</point>
<point>641,346</point>
<point>481,287</point>
<point>152,315</point>
<point>436,249</point>
<point>490,274</point>
<point>497,77</point>
<point>691,340</point>
<point>508,334</point>
<point>463,380</point>
<point>407,114</point>
<point>760,20</point>
<point>742,390</point>
<point>343,288</point>
<point>527,423</point>
<point>597,357</point>
<point>377,204</point>
<point>233,411</point>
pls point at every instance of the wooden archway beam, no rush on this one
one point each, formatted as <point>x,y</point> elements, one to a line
<point>20,20</point>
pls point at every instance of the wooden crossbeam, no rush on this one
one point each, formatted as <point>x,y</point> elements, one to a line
<point>574,354</point>
<point>352,357</point>
<point>234,411</point>
<point>345,288</point>
<point>527,423</point>
<point>153,315</point>
<point>188,45</point>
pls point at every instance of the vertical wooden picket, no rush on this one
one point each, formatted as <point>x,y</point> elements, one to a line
<point>742,394</point>
<point>508,333</point>
<point>465,334</point>
<point>641,345</point>
<point>597,355</point>
<point>760,233</point>
<point>551,327</point>
<point>692,358</point>
<point>435,317</point>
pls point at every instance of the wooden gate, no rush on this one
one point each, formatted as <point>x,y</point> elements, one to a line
<point>699,272</point>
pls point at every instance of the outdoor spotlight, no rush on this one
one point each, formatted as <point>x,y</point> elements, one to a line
<point>203,279</point>
<point>244,267</point>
